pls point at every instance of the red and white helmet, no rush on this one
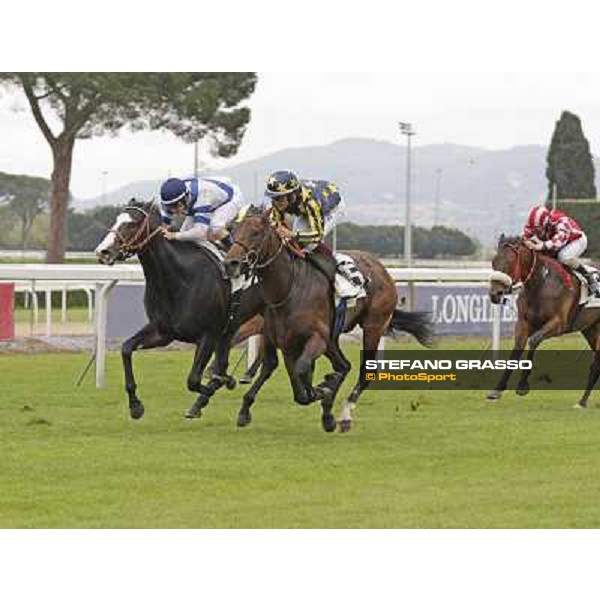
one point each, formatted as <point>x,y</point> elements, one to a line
<point>538,217</point>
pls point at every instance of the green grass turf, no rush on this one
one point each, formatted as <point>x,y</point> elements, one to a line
<point>76,314</point>
<point>71,457</point>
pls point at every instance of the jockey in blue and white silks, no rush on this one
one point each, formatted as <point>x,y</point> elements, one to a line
<point>208,204</point>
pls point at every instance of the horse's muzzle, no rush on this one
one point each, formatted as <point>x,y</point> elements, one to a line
<point>107,256</point>
<point>497,297</point>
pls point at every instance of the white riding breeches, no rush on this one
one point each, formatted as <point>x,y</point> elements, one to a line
<point>569,255</point>
<point>198,232</point>
<point>226,213</point>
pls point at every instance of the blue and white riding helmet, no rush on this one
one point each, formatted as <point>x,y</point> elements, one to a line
<point>172,191</point>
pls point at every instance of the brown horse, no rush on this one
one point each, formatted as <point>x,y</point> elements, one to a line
<point>548,306</point>
<point>300,313</point>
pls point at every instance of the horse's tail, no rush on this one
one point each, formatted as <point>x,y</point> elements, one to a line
<point>417,324</point>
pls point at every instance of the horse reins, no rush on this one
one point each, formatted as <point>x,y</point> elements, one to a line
<point>133,246</point>
<point>518,275</point>
<point>254,265</point>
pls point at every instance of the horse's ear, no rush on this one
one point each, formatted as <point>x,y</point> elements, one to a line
<point>501,239</point>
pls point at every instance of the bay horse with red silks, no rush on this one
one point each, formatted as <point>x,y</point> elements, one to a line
<point>547,306</point>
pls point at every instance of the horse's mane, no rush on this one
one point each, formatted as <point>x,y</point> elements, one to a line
<point>150,206</point>
<point>505,240</point>
<point>256,211</point>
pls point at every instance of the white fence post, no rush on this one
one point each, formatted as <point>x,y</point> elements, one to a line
<point>496,323</point>
<point>63,305</point>
<point>252,351</point>
<point>48,313</point>
<point>102,291</point>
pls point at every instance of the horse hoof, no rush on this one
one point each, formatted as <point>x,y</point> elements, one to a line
<point>523,391</point>
<point>494,395</point>
<point>329,423</point>
<point>194,411</point>
<point>136,410</point>
<point>244,419</point>
<point>345,426</point>
<point>580,405</point>
<point>230,383</point>
<point>305,399</point>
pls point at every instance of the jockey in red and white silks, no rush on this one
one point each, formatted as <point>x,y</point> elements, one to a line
<point>555,232</point>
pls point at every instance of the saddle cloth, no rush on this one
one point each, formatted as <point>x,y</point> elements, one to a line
<point>218,255</point>
<point>584,297</point>
<point>349,280</point>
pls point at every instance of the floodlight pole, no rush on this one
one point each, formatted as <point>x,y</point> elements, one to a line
<point>407,130</point>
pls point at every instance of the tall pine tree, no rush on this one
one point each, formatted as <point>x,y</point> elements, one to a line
<point>570,165</point>
<point>70,106</point>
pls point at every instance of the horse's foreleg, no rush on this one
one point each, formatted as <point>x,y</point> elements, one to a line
<point>521,335</point>
<point>248,376</point>
<point>332,383</point>
<point>269,364</point>
<point>593,375</point>
<point>220,365</point>
<point>592,335</point>
<point>147,337</point>
<point>299,368</point>
<point>553,327</point>
<point>204,350</point>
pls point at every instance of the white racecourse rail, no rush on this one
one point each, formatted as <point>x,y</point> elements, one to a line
<point>105,278</point>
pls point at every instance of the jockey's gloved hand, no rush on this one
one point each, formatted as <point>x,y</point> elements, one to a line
<point>535,245</point>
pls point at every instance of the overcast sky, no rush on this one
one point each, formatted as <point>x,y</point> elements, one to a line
<point>291,110</point>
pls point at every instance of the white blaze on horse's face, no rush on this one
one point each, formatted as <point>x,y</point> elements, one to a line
<point>106,246</point>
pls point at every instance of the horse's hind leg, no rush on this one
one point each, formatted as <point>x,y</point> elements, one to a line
<point>371,337</point>
<point>147,337</point>
<point>204,350</point>
<point>269,365</point>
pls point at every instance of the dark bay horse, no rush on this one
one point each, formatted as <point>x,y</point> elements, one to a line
<point>299,314</point>
<point>547,307</point>
<point>186,299</point>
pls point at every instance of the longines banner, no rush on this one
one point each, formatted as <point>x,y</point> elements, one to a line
<point>456,310</point>
<point>461,310</point>
<point>476,370</point>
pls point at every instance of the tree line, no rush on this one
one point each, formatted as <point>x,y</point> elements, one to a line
<point>24,212</point>
<point>388,240</point>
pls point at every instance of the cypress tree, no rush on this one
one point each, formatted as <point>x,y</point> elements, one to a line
<point>570,165</point>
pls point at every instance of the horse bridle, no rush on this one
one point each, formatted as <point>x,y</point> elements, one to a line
<point>517,276</point>
<point>250,261</point>
<point>129,247</point>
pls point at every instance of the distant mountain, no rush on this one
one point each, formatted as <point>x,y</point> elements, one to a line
<point>482,192</point>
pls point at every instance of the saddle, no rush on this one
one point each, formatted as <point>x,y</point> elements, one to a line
<point>216,254</point>
<point>585,299</point>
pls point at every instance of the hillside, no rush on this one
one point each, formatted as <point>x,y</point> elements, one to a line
<point>483,192</point>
